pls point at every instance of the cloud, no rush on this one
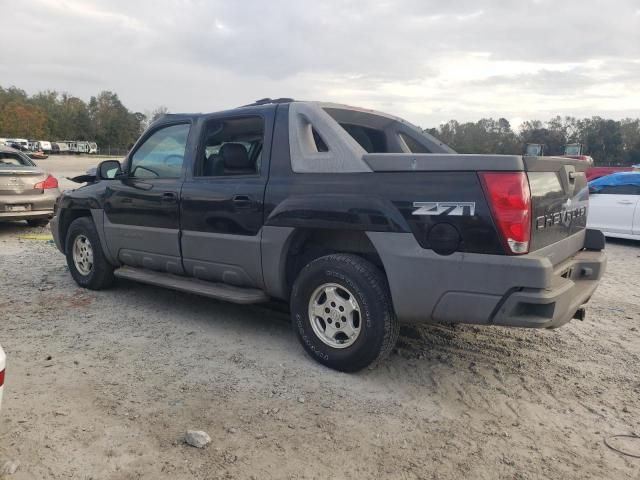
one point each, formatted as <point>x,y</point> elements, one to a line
<point>426,60</point>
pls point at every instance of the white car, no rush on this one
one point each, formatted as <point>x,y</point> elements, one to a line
<point>614,205</point>
<point>2,365</point>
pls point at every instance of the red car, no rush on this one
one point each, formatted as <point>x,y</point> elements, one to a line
<point>597,172</point>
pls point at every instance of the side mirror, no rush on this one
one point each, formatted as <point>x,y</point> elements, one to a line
<point>592,190</point>
<point>108,169</point>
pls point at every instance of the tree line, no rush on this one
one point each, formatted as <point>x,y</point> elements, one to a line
<point>609,142</point>
<point>51,115</point>
<point>104,119</point>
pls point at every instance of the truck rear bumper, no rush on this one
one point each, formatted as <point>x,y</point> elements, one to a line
<point>543,289</point>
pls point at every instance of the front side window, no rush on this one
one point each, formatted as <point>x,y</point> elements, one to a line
<point>8,159</point>
<point>162,154</point>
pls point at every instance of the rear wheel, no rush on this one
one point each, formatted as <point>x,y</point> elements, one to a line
<point>38,222</point>
<point>342,312</point>
<point>86,261</point>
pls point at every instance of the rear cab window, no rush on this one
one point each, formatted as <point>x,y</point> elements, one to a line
<point>377,133</point>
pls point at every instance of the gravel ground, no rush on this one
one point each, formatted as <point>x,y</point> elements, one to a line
<point>63,166</point>
<point>105,385</point>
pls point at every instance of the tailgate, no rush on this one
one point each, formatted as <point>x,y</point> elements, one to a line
<point>559,198</point>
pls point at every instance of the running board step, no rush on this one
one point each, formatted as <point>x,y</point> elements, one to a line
<point>219,291</point>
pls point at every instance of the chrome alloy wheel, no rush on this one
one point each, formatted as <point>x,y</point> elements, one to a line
<point>335,315</point>
<point>83,255</point>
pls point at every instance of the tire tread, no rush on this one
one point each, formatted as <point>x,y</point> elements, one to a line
<point>375,279</point>
<point>102,275</point>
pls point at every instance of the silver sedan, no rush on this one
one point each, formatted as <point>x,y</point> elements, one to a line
<point>26,191</point>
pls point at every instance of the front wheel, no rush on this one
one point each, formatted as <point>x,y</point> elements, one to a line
<point>87,264</point>
<point>342,312</point>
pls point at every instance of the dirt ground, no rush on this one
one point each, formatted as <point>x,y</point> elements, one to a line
<point>63,166</point>
<point>105,384</point>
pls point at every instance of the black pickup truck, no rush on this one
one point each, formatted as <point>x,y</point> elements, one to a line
<point>357,219</point>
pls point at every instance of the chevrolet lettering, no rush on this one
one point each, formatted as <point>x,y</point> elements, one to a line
<point>564,217</point>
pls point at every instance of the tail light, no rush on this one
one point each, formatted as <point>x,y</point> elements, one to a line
<point>510,201</point>
<point>2,378</point>
<point>49,182</point>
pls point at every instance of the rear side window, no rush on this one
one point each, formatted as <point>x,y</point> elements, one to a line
<point>231,147</point>
<point>320,144</point>
<point>8,159</point>
<point>412,144</point>
<point>371,139</point>
<point>162,154</point>
<point>620,190</point>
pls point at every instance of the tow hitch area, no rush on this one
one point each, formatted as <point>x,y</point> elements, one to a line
<point>580,314</point>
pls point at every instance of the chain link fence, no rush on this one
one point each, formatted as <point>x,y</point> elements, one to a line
<point>109,151</point>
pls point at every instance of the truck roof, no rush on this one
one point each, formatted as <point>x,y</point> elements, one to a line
<point>344,115</point>
<point>286,100</point>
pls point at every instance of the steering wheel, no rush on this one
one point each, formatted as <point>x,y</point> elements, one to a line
<point>169,159</point>
<point>140,167</point>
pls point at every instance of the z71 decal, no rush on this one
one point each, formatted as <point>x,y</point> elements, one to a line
<point>456,209</point>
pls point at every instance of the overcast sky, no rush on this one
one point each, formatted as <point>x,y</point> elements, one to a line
<point>428,61</point>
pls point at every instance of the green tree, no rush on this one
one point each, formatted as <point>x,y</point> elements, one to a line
<point>12,94</point>
<point>22,120</point>
<point>158,113</point>
<point>602,140</point>
<point>48,102</point>
<point>113,125</point>
<point>630,131</point>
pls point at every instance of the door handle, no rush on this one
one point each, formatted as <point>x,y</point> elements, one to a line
<point>242,200</point>
<point>169,197</point>
<point>625,202</point>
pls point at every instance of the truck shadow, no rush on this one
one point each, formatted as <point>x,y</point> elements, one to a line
<point>421,349</point>
<point>15,228</point>
<point>623,242</point>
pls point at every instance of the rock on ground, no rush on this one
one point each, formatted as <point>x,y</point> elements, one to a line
<point>197,438</point>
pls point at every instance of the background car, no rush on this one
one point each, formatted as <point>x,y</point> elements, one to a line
<point>614,205</point>
<point>26,191</point>
<point>17,146</point>
<point>597,172</point>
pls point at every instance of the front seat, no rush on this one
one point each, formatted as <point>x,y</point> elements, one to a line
<point>211,168</point>
<point>236,159</point>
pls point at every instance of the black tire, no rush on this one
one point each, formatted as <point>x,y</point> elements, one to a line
<point>38,222</point>
<point>101,274</point>
<point>379,326</point>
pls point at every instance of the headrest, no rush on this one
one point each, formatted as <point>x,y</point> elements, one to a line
<point>235,156</point>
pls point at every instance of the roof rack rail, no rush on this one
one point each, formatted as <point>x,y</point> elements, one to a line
<point>267,101</point>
